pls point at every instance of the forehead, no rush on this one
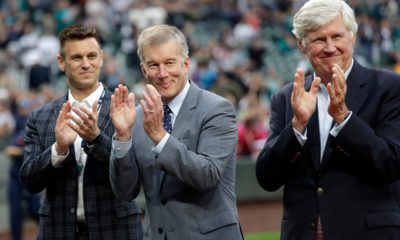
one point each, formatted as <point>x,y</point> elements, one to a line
<point>83,46</point>
<point>159,52</point>
<point>335,26</point>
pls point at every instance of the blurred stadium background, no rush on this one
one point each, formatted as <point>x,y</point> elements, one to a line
<point>241,49</point>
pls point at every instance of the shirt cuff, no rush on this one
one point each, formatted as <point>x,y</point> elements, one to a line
<point>56,159</point>
<point>337,128</point>
<point>159,147</point>
<point>302,138</point>
<point>121,149</point>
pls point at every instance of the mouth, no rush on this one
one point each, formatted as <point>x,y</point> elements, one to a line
<point>165,85</point>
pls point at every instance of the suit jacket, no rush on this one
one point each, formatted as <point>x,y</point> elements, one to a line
<point>355,189</point>
<point>194,198</point>
<point>106,216</point>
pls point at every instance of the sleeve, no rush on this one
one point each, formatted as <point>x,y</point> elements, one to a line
<point>201,157</point>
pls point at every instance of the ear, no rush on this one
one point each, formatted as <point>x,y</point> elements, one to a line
<point>300,45</point>
<point>187,64</point>
<point>101,57</point>
<point>61,63</point>
<point>143,69</point>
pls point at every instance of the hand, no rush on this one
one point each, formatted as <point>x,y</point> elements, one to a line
<point>152,106</point>
<point>337,90</point>
<point>84,123</point>
<point>123,112</point>
<point>303,103</point>
<point>65,135</point>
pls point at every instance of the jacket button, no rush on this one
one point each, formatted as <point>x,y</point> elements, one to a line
<point>163,201</point>
<point>160,230</point>
<point>320,190</point>
<point>312,225</point>
<point>72,210</point>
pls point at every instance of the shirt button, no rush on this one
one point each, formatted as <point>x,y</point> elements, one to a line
<point>160,230</point>
<point>320,190</point>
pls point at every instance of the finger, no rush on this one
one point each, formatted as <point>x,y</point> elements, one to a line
<point>124,97</point>
<point>315,85</point>
<point>148,101</point>
<point>300,72</point>
<point>156,98</point>
<point>66,108</point>
<point>145,107</point>
<point>151,91</point>
<point>131,100</point>
<point>339,76</point>
<point>76,120</point>
<point>331,93</point>
<point>79,112</point>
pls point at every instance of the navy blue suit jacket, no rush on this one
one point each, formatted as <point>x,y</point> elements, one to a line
<point>355,189</point>
<point>106,216</point>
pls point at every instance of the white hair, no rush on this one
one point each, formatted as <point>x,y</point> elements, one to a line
<point>315,14</point>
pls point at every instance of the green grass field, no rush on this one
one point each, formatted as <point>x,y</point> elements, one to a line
<point>262,236</point>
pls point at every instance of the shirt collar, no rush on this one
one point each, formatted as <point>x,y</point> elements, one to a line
<point>91,98</point>
<point>176,103</point>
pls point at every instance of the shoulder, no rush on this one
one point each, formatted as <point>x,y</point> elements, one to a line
<point>209,100</point>
<point>48,108</point>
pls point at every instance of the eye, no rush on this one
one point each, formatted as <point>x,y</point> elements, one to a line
<point>92,56</point>
<point>152,66</point>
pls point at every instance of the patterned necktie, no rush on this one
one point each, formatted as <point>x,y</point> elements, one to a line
<point>167,118</point>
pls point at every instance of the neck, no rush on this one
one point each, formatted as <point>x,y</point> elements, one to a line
<point>80,94</point>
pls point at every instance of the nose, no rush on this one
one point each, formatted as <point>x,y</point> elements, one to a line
<point>85,62</point>
<point>162,71</point>
<point>330,46</point>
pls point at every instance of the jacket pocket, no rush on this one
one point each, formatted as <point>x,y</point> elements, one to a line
<point>126,209</point>
<point>213,221</point>
<point>382,219</point>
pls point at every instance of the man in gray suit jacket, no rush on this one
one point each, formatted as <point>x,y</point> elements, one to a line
<point>67,155</point>
<point>188,175</point>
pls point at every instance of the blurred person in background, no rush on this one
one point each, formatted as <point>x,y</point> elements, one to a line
<point>67,151</point>
<point>18,197</point>
<point>335,137</point>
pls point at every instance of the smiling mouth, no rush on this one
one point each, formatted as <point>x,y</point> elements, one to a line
<point>165,85</point>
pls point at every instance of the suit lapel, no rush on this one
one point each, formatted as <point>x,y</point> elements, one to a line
<point>103,119</point>
<point>186,110</point>
<point>183,118</point>
<point>355,98</point>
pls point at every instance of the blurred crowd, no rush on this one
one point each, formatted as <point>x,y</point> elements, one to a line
<point>241,49</point>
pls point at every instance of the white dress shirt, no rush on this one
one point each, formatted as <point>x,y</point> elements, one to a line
<point>324,119</point>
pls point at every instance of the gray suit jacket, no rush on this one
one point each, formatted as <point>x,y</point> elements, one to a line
<point>194,198</point>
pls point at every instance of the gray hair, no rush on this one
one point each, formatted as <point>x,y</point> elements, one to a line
<point>159,34</point>
<point>315,14</point>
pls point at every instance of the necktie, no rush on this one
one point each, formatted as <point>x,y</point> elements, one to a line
<point>167,118</point>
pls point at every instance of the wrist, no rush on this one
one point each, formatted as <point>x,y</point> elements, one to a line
<point>341,117</point>
<point>60,150</point>
<point>122,136</point>
<point>296,124</point>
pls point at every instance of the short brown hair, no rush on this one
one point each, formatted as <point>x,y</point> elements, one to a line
<point>76,32</point>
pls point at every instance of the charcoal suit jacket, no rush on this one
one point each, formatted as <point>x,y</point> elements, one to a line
<point>355,188</point>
